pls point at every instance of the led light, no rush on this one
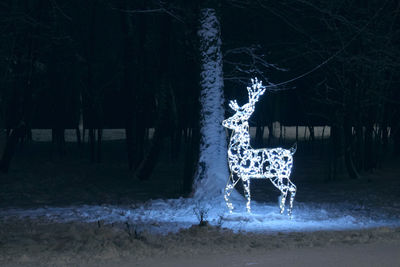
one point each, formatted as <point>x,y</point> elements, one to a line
<point>245,162</point>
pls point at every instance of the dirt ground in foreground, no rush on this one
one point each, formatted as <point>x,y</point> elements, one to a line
<point>376,254</point>
<point>40,243</point>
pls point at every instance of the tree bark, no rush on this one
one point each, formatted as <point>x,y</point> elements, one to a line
<point>165,100</point>
<point>11,144</point>
<point>335,152</point>
<point>212,171</point>
<point>99,140</point>
<point>348,150</point>
<point>78,136</point>
<point>150,159</point>
<point>133,80</point>
<point>92,144</point>
<point>368,147</point>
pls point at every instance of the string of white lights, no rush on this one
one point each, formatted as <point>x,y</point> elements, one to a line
<point>245,162</point>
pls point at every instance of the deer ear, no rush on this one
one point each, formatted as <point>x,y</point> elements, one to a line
<point>234,105</point>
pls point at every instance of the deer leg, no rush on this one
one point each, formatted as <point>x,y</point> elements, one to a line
<point>283,201</point>
<point>246,186</point>
<point>292,189</point>
<point>230,185</point>
<point>277,182</point>
<point>284,190</point>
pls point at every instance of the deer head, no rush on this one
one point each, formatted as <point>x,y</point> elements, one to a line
<point>244,112</point>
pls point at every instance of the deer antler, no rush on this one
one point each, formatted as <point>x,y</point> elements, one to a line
<point>234,105</point>
<point>255,90</point>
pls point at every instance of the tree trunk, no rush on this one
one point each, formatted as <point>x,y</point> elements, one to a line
<point>61,142</point>
<point>348,150</point>
<point>359,144</point>
<point>150,159</point>
<point>139,136</point>
<point>92,144</point>
<point>11,144</point>
<point>368,147</point>
<point>312,134</point>
<point>396,139</point>
<point>191,159</point>
<point>133,80</point>
<point>127,87</point>
<point>212,172</point>
<point>129,145</point>
<point>165,100</point>
<point>99,139</point>
<point>78,136</point>
<point>335,142</point>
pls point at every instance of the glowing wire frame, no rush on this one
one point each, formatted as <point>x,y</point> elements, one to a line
<point>244,161</point>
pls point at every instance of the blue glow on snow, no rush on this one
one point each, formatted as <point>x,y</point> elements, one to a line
<point>164,216</point>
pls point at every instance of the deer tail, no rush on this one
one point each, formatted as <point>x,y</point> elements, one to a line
<point>293,148</point>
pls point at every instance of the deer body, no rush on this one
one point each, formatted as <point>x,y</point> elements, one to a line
<point>245,162</point>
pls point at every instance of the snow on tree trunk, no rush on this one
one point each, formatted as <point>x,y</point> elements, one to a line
<point>212,172</point>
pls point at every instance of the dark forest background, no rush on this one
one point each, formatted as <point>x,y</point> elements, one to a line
<point>135,65</point>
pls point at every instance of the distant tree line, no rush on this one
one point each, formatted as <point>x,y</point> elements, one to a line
<point>135,65</point>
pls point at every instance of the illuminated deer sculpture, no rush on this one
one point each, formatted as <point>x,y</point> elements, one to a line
<point>245,162</point>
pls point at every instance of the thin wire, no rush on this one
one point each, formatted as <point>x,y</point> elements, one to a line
<point>333,56</point>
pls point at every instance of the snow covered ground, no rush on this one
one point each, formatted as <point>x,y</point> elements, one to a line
<point>352,223</point>
<point>345,221</point>
<point>164,216</point>
<point>372,201</point>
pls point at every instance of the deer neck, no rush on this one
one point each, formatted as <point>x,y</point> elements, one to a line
<point>241,137</point>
